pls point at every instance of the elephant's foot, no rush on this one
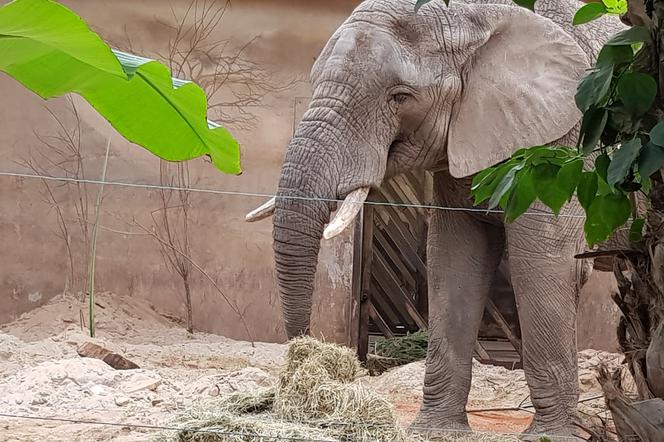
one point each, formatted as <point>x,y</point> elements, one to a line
<point>556,431</point>
<point>437,423</point>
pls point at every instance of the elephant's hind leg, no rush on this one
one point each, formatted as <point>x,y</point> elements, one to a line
<point>462,256</point>
<point>545,279</point>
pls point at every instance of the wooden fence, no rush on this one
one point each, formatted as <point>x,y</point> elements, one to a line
<point>390,277</point>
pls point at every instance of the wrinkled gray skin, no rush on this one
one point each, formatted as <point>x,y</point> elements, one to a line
<point>388,96</point>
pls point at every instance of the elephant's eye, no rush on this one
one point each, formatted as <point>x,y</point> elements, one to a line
<point>400,97</point>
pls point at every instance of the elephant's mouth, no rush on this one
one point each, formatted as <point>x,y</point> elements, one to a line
<point>350,207</point>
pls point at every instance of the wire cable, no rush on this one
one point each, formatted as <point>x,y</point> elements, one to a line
<point>225,432</point>
<point>153,427</point>
<point>269,195</point>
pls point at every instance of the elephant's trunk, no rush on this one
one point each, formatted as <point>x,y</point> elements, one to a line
<point>303,204</point>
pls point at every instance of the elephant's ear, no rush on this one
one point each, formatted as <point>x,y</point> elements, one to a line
<point>518,88</point>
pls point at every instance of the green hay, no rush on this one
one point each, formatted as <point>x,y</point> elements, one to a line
<point>409,348</point>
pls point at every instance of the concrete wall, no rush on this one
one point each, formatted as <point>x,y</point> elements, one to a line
<point>236,254</point>
<point>34,267</point>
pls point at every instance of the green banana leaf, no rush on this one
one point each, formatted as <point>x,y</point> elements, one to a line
<point>52,52</point>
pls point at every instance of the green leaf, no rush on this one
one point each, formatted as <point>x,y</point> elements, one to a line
<point>657,134</point>
<point>637,91</point>
<point>602,163</point>
<point>592,126</point>
<point>622,121</point>
<point>617,7</point>
<point>605,215</point>
<point>421,3</point>
<point>569,177</point>
<point>622,161</point>
<point>522,196</point>
<point>650,160</point>
<point>528,4</point>
<point>636,230</point>
<point>482,176</point>
<point>593,87</point>
<point>587,189</point>
<point>646,184</point>
<point>614,55</point>
<point>504,186</point>
<point>635,34</point>
<point>487,186</point>
<point>545,179</point>
<point>588,13</point>
<point>51,51</point>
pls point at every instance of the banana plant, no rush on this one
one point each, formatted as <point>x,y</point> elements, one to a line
<point>52,52</point>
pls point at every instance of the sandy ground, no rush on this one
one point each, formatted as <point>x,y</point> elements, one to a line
<point>41,375</point>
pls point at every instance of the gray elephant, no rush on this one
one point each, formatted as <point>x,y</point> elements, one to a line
<point>452,90</point>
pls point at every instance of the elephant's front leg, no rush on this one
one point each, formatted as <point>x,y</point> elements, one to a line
<point>463,254</point>
<point>546,279</point>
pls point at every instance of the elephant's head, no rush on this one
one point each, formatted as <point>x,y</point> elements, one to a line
<point>458,88</point>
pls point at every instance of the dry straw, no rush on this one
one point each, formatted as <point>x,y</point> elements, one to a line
<point>315,399</point>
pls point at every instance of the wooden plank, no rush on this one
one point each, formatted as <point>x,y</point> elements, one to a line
<point>391,194</point>
<point>481,352</point>
<point>405,299</point>
<point>364,292</point>
<point>499,319</point>
<point>379,321</point>
<point>492,345</point>
<point>408,190</point>
<point>383,304</point>
<point>388,300</point>
<point>395,259</point>
<point>356,283</point>
<point>404,240</point>
<point>389,198</point>
<point>398,186</point>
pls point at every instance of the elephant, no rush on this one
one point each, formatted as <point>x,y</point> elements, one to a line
<point>452,90</point>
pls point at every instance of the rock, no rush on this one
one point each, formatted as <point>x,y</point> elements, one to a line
<point>122,401</point>
<point>38,401</point>
<point>90,350</point>
<point>588,380</point>
<point>98,389</point>
<point>213,391</point>
<point>156,402</point>
<point>144,384</point>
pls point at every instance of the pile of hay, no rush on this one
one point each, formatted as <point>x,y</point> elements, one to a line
<point>315,399</point>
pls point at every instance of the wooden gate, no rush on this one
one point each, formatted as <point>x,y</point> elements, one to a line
<point>390,278</point>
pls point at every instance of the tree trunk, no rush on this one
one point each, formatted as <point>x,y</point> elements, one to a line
<point>641,332</point>
<point>187,294</point>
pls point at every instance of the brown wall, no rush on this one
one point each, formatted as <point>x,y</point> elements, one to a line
<point>238,255</point>
<point>33,267</point>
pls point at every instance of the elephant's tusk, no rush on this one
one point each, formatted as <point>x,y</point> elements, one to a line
<point>346,214</point>
<point>262,212</point>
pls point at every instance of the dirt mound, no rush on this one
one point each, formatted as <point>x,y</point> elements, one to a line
<point>42,375</point>
<point>116,315</point>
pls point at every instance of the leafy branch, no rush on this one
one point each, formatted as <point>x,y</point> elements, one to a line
<point>620,146</point>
